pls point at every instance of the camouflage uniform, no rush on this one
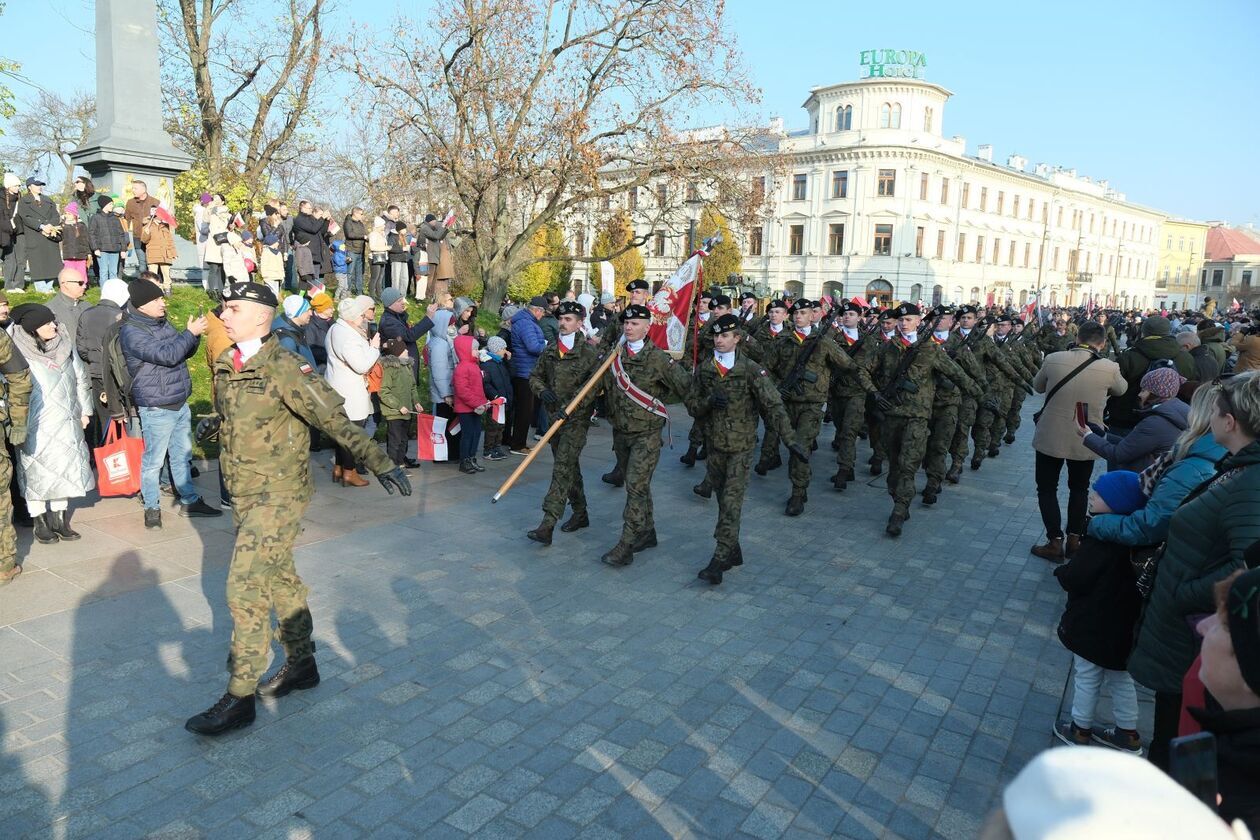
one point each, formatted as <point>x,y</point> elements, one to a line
<point>1006,347</point>
<point>999,373</point>
<point>13,409</point>
<point>732,434</point>
<point>637,431</point>
<point>1026,351</point>
<point>1049,341</point>
<point>847,399</point>
<point>266,408</point>
<point>767,343</point>
<point>946,408</point>
<point>565,375</point>
<point>968,407</point>
<point>905,424</point>
<point>879,452</point>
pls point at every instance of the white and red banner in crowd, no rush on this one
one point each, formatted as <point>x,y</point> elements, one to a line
<point>671,305</point>
<point>498,410</point>
<point>449,221</point>
<point>430,438</point>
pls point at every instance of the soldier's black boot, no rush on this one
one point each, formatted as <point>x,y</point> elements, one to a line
<point>930,494</point>
<point>1010,437</point>
<point>291,676</point>
<point>712,573</point>
<point>541,534</point>
<point>619,555</point>
<point>955,473</point>
<point>704,489</point>
<point>648,540</point>
<point>616,478</point>
<point>796,504</point>
<point>877,465</point>
<point>840,480</point>
<point>43,530</point>
<point>576,521</point>
<point>689,457</point>
<point>763,466</point>
<point>734,558</point>
<point>894,524</point>
<point>231,712</point>
<point>976,461</point>
<point>835,444</point>
<point>57,521</point>
<point>994,452</point>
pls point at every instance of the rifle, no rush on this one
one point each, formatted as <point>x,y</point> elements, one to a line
<point>891,391</point>
<point>791,383</point>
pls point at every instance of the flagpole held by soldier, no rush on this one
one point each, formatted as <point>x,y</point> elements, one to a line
<point>265,398</point>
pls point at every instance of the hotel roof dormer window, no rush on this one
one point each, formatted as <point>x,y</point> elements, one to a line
<point>890,115</point>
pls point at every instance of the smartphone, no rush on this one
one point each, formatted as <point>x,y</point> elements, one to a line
<point>1192,764</point>
<point>1082,414</point>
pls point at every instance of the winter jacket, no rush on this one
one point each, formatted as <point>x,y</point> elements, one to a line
<point>157,355</point>
<point>106,233</point>
<point>43,255</point>
<point>1213,339</point>
<point>550,326</point>
<point>68,311</point>
<point>527,344</point>
<point>441,263</point>
<point>53,462</point>
<point>74,242</point>
<point>310,231</point>
<point>292,337</point>
<point>89,341</point>
<point>1237,760</point>
<point>1154,435</point>
<point>317,339</point>
<point>10,222</point>
<point>1149,525</point>
<point>394,325</point>
<point>1248,347</point>
<point>159,243</point>
<point>1204,364</point>
<point>398,250</point>
<point>466,381</point>
<point>138,210</point>
<point>1206,539</point>
<point>1134,363</point>
<point>439,355</point>
<point>496,379</point>
<point>350,357</point>
<point>216,223</point>
<point>1102,605</point>
<point>355,233</point>
<point>338,252</point>
<point>398,388</point>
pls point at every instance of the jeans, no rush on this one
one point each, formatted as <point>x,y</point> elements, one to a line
<point>107,265</point>
<point>355,263</point>
<point>1046,472</point>
<point>469,434</point>
<point>166,432</point>
<point>142,259</point>
<point>290,273</point>
<point>1088,679</point>
<point>398,276</point>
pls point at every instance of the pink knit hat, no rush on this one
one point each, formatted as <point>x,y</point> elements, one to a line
<point>72,209</point>
<point>1163,382</point>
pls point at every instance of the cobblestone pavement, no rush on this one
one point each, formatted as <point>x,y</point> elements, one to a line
<point>840,683</point>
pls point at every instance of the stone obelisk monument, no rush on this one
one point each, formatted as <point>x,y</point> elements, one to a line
<point>129,142</point>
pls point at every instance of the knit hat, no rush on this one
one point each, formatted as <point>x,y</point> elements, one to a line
<point>1243,608</point>
<point>394,347</point>
<point>11,180</point>
<point>496,345</point>
<point>114,289</point>
<point>322,302</point>
<point>1156,325</point>
<point>140,292</point>
<point>295,305</point>
<point>606,298</point>
<point>390,296</point>
<point>509,312</point>
<point>32,316</point>
<point>1121,490</point>
<point>72,209</point>
<point>104,200</point>
<point>1163,382</point>
<point>353,307</point>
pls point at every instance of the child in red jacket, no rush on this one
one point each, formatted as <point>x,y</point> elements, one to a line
<point>470,401</point>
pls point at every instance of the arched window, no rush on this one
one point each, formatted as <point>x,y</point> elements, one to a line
<point>879,289</point>
<point>794,289</point>
<point>975,295</point>
<point>938,293</point>
<point>840,118</point>
<point>956,297</point>
<point>916,292</point>
<point>927,119</point>
<point>833,289</point>
<point>896,115</point>
<point>848,117</point>
<point>885,115</point>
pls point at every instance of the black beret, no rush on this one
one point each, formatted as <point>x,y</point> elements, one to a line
<point>801,303</point>
<point>32,316</point>
<point>747,296</point>
<point>256,292</point>
<point>777,304</point>
<point>707,294</point>
<point>967,309</point>
<point>942,309</point>
<point>637,285</point>
<point>1003,318</point>
<point>849,306</point>
<point>906,309</point>
<point>722,300</point>
<point>636,310</point>
<point>571,307</point>
<point>887,314</point>
<point>727,323</point>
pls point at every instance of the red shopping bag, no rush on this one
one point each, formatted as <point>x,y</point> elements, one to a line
<point>118,462</point>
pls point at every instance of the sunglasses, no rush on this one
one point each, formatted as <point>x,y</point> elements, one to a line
<point>75,282</point>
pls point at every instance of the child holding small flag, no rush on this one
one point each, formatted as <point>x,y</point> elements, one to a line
<point>399,405</point>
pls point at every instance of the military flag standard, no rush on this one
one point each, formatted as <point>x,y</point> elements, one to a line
<point>671,306</point>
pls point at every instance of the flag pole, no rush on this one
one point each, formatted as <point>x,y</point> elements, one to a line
<point>569,409</point>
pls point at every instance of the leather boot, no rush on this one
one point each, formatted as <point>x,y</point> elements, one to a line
<point>229,713</point>
<point>1052,550</point>
<point>994,452</point>
<point>576,521</point>
<point>955,473</point>
<point>1069,548</point>
<point>619,555</point>
<point>704,490</point>
<point>976,462</point>
<point>616,478</point>
<point>43,530</point>
<point>835,444</point>
<point>60,527</point>
<point>465,466</point>
<point>930,494</point>
<point>541,534</point>
<point>795,505</point>
<point>689,457</point>
<point>877,466</point>
<point>840,479</point>
<point>292,676</point>
<point>762,466</point>
<point>350,478</point>
<point>734,558</point>
<point>712,573</point>
<point>894,524</point>
<point>646,541</point>
<point>1010,437</point>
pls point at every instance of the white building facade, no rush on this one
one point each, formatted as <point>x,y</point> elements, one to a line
<point>874,200</point>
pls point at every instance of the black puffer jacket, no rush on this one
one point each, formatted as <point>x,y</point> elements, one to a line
<point>89,340</point>
<point>1103,603</point>
<point>1237,760</point>
<point>106,232</point>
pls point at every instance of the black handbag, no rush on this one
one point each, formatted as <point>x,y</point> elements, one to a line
<point>221,238</point>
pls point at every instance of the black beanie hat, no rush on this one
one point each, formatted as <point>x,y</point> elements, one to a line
<point>103,201</point>
<point>140,292</point>
<point>1243,607</point>
<point>32,316</point>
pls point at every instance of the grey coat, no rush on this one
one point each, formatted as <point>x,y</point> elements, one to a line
<point>53,463</point>
<point>439,353</point>
<point>42,254</point>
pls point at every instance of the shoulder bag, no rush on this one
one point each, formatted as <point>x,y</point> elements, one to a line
<point>1093,357</point>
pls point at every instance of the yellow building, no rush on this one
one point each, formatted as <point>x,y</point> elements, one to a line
<point>1181,247</point>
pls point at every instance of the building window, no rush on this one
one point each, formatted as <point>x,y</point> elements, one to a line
<point>1181,243</point>
<point>1045,213</point>
<point>887,182</point>
<point>940,244</point>
<point>997,251</point>
<point>835,240</point>
<point>1091,222</point>
<point>923,186</point>
<point>1027,253</point>
<point>754,242</point>
<point>879,289</point>
<point>1176,276</point>
<point>844,118</point>
<point>984,199</point>
<point>693,192</point>
<point>1001,201</point>
<point>759,189</point>
<point>633,200</point>
<point>1031,202</point>
<point>890,115</point>
<point>798,186</point>
<point>796,240</point>
<point>916,292</point>
<point>927,119</point>
<point>1015,206</point>
<point>938,294</point>
<point>918,241</point>
<point>944,191</point>
<point>883,240</point>
<point>966,195</point>
<point>658,244</point>
<point>1218,276</point>
<point>1010,257</point>
<point>1056,258</point>
<point>975,294</point>
<point>1246,279</point>
<point>896,115</point>
<point>662,194</point>
<point>579,243</point>
<point>840,183</point>
<point>605,202</point>
<point>962,247</point>
<point>980,249</point>
<point>1058,218</point>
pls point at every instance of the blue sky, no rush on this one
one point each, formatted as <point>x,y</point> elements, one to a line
<point>1157,96</point>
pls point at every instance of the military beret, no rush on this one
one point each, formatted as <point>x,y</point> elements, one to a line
<point>636,310</point>
<point>747,296</point>
<point>256,292</point>
<point>707,294</point>
<point>849,306</point>
<point>967,309</point>
<point>777,304</point>
<point>887,314</point>
<point>722,300</point>
<point>941,309</point>
<point>906,309</point>
<point>818,304</point>
<point>727,323</point>
<point>571,307</point>
<point>801,303</point>
<point>1003,318</point>
<point>637,285</point>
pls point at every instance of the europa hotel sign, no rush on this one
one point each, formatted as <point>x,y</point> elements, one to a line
<point>895,64</point>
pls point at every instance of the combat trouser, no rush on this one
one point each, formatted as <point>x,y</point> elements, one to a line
<point>729,476</point>
<point>847,413</point>
<point>982,431</point>
<point>966,420</point>
<point>1017,406</point>
<point>806,422</point>
<point>906,439</point>
<point>8,535</point>
<point>639,453</point>
<point>875,433</point>
<point>1004,397</point>
<point>566,473</point>
<point>944,427</point>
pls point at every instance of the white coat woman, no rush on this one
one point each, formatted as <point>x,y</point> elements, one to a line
<point>351,356</point>
<point>53,465</point>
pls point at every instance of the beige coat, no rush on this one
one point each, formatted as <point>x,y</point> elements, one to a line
<point>1056,433</point>
<point>1248,347</point>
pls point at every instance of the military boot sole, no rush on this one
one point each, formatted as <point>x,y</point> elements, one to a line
<point>617,558</point>
<point>647,542</point>
<point>710,575</point>
<point>877,467</point>
<point>704,491</point>
<point>954,475</point>
<point>615,479</point>
<point>1009,439</point>
<point>976,462</point>
<point>575,523</point>
<point>894,526</point>
<point>539,537</point>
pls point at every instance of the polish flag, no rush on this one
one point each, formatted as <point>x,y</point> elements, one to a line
<point>498,410</point>
<point>430,438</point>
<point>671,306</point>
<point>449,221</point>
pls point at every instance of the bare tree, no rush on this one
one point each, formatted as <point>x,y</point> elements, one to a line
<point>47,130</point>
<point>529,110</point>
<point>242,81</point>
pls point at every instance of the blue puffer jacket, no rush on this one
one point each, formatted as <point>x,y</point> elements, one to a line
<point>157,355</point>
<point>1149,525</point>
<point>527,344</point>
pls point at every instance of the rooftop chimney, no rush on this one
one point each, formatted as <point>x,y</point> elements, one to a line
<point>985,152</point>
<point>1042,170</point>
<point>1017,162</point>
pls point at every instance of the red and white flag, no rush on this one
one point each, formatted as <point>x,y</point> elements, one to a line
<point>498,410</point>
<point>430,438</point>
<point>861,301</point>
<point>671,306</point>
<point>449,221</point>
<point>1237,306</point>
